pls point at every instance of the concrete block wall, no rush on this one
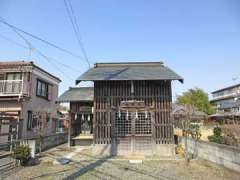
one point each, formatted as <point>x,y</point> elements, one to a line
<point>54,140</point>
<point>227,156</point>
<point>48,142</point>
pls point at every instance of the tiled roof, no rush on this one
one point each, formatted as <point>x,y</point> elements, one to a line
<point>226,88</point>
<point>129,71</point>
<point>74,94</point>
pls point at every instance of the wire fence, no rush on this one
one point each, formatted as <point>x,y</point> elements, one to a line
<point>8,164</point>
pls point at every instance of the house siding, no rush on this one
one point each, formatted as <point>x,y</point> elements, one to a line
<point>27,100</point>
<point>40,105</point>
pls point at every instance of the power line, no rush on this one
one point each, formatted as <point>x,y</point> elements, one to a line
<point>40,39</point>
<point>50,62</point>
<point>79,34</point>
<point>30,47</point>
<point>40,53</point>
<point>22,46</point>
<point>76,28</point>
<point>13,42</point>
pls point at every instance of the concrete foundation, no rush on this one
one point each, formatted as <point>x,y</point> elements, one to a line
<point>161,150</point>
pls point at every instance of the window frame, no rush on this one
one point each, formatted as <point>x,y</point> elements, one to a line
<point>29,120</point>
<point>2,76</point>
<point>14,75</point>
<point>40,90</point>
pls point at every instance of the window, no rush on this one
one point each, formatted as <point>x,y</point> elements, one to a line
<point>14,76</point>
<point>1,76</point>
<point>48,118</point>
<point>42,89</point>
<point>30,120</point>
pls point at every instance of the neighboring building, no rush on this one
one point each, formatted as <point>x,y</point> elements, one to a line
<point>27,100</point>
<point>131,108</point>
<point>62,122</point>
<point>181,112</point>
<point>227,100</point>
<point>81,113</point>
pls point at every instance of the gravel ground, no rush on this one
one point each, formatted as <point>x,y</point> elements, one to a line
<point>84,166</point>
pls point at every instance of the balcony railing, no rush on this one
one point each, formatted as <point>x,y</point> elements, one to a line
<point>11,87</point>
<point>225,96</point>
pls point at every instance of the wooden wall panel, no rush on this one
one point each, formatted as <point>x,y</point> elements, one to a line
<point>109,94</point>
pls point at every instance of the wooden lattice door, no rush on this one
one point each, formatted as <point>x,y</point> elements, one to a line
<point>134,129</point>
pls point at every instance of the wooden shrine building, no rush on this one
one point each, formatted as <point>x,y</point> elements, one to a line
<point>131,107</point>
<point>81,114</point>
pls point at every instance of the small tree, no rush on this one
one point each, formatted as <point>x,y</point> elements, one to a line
<point>186,114</point>
<point>197,98</point>
<point>185,128</point>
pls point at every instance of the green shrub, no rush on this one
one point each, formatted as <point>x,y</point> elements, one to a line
<point>22,153</point>
<point>216,139</point>
<point>217,136</point>
<point>217,131</point>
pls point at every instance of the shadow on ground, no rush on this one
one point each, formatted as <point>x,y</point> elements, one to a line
<point>93,170</point>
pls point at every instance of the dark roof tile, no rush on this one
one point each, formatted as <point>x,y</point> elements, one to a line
<point>74,94</point>
<point>129,71</point>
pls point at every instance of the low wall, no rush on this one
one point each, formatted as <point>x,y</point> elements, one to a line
<point>220,154</point>
<point>47,142</point>
<point>54,140</point>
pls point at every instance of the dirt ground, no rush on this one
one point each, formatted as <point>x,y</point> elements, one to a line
<point>85,166</point>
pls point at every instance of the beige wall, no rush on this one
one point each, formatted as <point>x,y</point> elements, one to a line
<point>37,104</point>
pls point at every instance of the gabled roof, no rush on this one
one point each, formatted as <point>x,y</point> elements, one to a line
<point>226,88</point>
<point>14,64</point>
<point>129,71</point>
<point>75,94</point>
<point>181,109</point>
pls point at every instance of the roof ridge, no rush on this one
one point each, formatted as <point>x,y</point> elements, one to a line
<point>22,62</point>
<point>226,88</point>
<point>137,64</point>
<point>81,87</point>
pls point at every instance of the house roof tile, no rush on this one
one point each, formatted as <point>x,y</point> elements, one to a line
<point>129,71</point>
<point>75,94</point>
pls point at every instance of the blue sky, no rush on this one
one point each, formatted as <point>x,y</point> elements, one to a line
<point>200,40</point>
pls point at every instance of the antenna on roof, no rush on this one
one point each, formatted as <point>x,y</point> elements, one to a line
<point>235,78</point>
